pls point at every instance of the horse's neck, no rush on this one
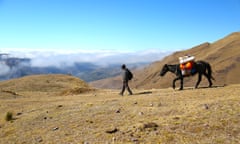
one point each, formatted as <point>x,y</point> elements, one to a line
<point>172,68</point>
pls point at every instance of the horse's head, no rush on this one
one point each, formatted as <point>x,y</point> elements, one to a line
<point>164,70</point>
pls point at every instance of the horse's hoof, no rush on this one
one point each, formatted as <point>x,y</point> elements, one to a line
<point>181,89</point>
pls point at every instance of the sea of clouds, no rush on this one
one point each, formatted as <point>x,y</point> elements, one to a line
<point>64,59</point>
<point>60,58</point>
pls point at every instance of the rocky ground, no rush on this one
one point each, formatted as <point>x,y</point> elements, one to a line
<point>204,115</point>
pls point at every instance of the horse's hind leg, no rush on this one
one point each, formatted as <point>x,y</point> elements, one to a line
<point>209,79</point>
<point>199,80</point>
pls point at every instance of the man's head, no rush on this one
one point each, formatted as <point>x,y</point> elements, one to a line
<point>123,66</point>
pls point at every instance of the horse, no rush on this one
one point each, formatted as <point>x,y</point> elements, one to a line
<point>200,67</point>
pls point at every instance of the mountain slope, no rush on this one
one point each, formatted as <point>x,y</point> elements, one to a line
<point>223,55</point>
<point>52,84</point>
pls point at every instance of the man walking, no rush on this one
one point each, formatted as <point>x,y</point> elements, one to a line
<point>126,76</point>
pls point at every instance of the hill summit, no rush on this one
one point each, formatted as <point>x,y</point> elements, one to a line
<point>51,84</point>
<point>223,55</point>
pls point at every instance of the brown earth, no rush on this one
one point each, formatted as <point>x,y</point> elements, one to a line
<point>53,109</point>
<point>223,55</point>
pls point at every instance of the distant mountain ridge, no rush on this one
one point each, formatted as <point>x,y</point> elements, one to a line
<point>223,55</point>
<point>14,67</point>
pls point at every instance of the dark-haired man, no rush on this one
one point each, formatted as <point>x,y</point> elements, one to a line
<point>126,76</point>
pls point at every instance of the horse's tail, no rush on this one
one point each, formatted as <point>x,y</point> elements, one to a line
<point>209,69</point>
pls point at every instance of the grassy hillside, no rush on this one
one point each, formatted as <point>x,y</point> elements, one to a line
<point>205,115</point>
<point>51,84</point>
<point>223,55</point>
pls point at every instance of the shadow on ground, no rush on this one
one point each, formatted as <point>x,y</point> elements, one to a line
<point>144,93</point>
<point>204,87</point>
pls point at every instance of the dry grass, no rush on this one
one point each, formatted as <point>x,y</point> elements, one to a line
<point>206,115</point>
<point>9,116</point>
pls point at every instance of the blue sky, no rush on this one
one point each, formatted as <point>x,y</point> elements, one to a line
<point>117,25</point>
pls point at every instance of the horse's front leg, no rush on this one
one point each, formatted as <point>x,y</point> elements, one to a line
<point>173,84</point>
<point>181,83</point>
<point>174,81</point>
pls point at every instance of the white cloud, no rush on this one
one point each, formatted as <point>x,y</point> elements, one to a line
<point>59,58</point>
<point>4,69</point>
